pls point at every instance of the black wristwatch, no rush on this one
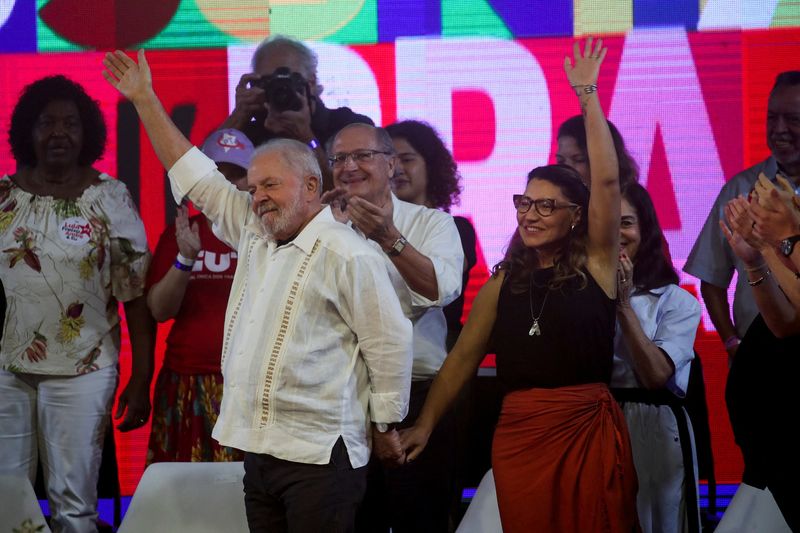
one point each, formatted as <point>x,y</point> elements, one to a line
<point>787,245</point>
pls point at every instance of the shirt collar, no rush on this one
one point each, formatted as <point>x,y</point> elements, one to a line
<point>306,238</point>
<point>658,291</point>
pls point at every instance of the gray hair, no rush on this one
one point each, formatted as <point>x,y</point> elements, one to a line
<point>382,137</point>
<point>273,42</point>
<point>296,154</point>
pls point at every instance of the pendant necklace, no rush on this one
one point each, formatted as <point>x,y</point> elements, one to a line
<point>535,329</point>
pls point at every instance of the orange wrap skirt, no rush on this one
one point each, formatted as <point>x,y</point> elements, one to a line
<point>562,462</point>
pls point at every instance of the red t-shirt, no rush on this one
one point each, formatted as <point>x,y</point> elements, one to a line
<point>194,344</point>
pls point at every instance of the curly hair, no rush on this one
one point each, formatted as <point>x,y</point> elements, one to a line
<point>444,189</point>
<point>520,260</point>
<point>34,98</point>
<point>628,169</point>
<point>651,267</point>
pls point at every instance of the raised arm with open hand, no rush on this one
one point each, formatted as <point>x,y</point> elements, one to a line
<point>604,202</point>
<point>135,82</point>
<point>583,73</point>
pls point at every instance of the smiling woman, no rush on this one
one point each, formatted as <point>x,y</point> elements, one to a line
<point>548,313</point>
<point>74,246</point>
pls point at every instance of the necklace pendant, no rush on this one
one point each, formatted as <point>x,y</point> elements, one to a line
<point>535,329</point>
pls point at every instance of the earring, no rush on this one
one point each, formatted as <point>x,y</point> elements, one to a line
<point>572,227</point>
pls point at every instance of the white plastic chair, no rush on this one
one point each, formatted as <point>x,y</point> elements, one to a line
<point>196,497</point>
<point>19,509</point>
<point>483,515</point>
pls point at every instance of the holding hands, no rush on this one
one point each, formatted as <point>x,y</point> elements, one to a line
<point>388,448</point>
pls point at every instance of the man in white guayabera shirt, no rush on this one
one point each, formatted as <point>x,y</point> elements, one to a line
<point>315,347</point>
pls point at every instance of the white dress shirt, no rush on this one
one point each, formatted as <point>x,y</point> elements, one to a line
<point>315,342</point>
<point>434,234</point>
<point>669,317</point>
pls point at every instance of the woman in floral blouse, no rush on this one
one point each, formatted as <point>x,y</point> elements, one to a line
<point>71,247</point>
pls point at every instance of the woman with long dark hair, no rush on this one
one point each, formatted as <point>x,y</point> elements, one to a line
<point>573,151</point>
<point>653,350</point>
<point>428,175</point>
<point>561,454</point>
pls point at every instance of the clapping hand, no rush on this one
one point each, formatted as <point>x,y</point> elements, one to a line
<point>376,222</point>
<point>188,237</point>
<point>739,231</point>
<point>783,191</point>
<point>337,199</point>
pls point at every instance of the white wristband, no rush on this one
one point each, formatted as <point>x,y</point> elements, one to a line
<point>185,261</point>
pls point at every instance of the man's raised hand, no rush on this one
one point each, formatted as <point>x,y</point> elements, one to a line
<point>133,80</point>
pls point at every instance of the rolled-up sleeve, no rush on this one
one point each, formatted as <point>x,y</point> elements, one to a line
<point>677,319</point>
<point>196,177</point>
<point>370,306</point>
<point>442,245</point>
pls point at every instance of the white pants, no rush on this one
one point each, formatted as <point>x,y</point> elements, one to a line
<point>63,420</point>
<point>658,458</point>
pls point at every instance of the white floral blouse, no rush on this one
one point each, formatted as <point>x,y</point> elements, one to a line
<point>65,264</point>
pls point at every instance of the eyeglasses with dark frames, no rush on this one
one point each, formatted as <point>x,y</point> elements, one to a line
<point>543,206</point>
<point>358,157</point>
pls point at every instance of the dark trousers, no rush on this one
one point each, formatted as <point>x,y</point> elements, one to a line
<point>283,496</point>
<point>415,497</point>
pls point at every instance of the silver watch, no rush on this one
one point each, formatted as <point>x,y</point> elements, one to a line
<point>397,247</point>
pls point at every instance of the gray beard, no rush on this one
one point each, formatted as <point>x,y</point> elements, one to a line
<point>282,221</point>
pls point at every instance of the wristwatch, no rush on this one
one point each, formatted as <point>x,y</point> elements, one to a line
<point>787,245</point>
<point>397,247</point>
<point>383,427</point>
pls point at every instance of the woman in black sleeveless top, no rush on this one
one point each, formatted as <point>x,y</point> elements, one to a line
<point>561,454</point>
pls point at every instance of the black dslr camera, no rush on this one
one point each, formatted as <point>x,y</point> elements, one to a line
<point>283,89</point>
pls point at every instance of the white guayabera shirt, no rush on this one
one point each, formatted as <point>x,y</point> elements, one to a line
<point>315,343</point>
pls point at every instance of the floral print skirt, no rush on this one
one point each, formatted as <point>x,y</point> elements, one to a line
<point>185,409</point>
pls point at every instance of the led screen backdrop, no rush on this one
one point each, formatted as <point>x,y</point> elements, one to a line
<point>685,81</point>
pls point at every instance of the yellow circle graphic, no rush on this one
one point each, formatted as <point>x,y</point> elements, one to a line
<point>253,20</point>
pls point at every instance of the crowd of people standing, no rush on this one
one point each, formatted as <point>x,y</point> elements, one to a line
<point>317,302</point>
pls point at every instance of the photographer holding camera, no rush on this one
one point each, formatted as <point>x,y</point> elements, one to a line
<point>281,98</point>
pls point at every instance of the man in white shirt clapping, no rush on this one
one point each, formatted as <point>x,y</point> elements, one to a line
<point>422,250</point>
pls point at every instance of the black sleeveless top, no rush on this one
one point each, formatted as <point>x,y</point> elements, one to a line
<point>576,345</point>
